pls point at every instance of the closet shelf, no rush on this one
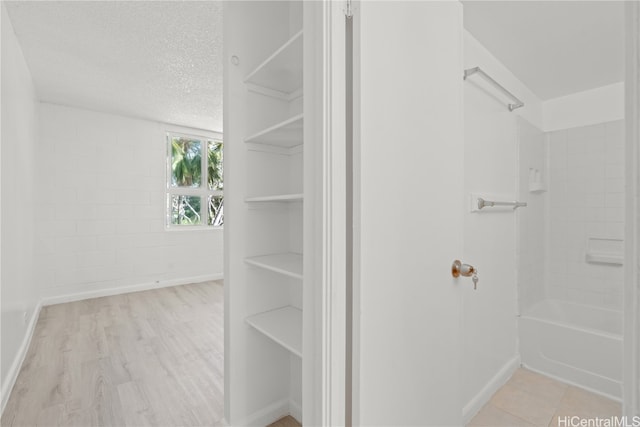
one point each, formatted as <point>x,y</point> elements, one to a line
<point>282,325</point>
<point>289,264</point>
<point>282,70</point>
<point>288,133</point>
<point>604,258</point>
<point>276,198</point>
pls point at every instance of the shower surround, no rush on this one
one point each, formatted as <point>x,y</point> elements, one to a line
<point>570,275</point>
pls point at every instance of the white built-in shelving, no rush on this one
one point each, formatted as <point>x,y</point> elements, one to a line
<point>283,325</point>
<point>266,270</point>
<point>281,71</point>
<point>295,197</point>
<point>279,76</point>
<point>287,133</point>
<point>289,264</point>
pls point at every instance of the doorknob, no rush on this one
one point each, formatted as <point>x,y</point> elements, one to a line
<point>459,269</point>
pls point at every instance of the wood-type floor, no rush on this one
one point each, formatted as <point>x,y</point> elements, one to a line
<point>152,358</point>
<point>155,358</point>
<point>287,421</point>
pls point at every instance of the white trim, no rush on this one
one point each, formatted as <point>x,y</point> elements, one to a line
<point>330,199</point>
<point>184,133</point>
<point>190,191</point>
<point>356,166</point>
<point>3,392</point>
<point>295,410</point>
<point>14,370</point>
<point>181,228</point>
<point>631,362</point>
<point>267,415</point>
<point>79,296</point>
<point>499,379</point>
<point>271,413</point>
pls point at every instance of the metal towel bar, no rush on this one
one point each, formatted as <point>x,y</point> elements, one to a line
<point>470,71</point>
<point>482,203</point>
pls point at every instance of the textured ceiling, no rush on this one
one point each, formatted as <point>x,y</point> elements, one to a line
<point>163,60</point>
<point>154,60</point>
<point>554,47</point>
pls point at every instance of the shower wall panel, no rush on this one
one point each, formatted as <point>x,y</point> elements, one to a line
<point>586,201</point>
<point>533,181</point>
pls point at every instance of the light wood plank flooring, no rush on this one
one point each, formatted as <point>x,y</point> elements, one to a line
<point>529,399</point>
<point>287,421</point>
<point>145,358</point>
<point>156,358</point>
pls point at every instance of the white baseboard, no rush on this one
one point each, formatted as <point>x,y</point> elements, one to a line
<point>266,415</point>
<point>12,375</point>
<point>295,410</point>
<point>271,413</point>
<point>499,379</point>
<point>79,296</point>
<point>14,370</point>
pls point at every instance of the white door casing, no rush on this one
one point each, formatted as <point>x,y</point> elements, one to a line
<point>324,269</point>
<point>631,360</point>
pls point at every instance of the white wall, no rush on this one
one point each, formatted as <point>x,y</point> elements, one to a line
<point>476,55</point>
<point>586,200</point>
<point>102,204</point>
<point>491,169</point>
<point>83,209</point>
<point>598,105</point>
<point>19,123</point>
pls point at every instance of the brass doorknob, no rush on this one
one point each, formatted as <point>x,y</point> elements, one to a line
<point>460,269</point>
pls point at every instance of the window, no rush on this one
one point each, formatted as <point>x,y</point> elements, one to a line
<point>194,181</point>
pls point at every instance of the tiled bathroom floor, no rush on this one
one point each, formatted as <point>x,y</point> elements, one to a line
<point>530,399</point>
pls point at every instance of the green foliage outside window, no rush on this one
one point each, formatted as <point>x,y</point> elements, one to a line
<point>186,172</point>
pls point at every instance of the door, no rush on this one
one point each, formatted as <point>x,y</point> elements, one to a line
<point>408,213</point>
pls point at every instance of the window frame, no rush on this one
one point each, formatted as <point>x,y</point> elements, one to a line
<point>202,191</point>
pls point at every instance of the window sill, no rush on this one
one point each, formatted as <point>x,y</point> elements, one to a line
<point>193,228</point>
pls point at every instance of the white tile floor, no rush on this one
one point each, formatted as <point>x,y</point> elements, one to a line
<point>530,399</point>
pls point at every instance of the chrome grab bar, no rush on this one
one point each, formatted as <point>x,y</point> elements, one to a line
<point>482,203</point>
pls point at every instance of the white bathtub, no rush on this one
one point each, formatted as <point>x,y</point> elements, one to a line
<point>575,343</point>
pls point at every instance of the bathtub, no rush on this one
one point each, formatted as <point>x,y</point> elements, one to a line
<point>575,343</point>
